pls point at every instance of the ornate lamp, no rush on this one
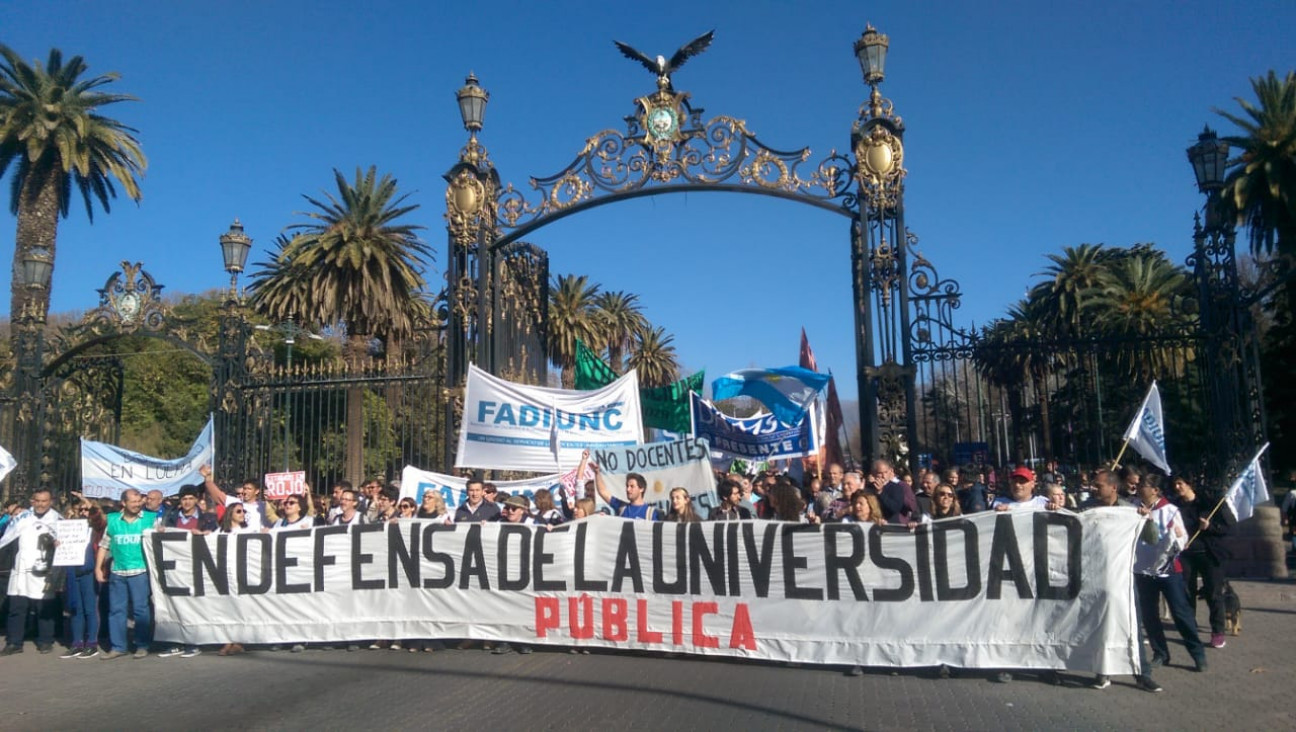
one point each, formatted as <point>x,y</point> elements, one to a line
<point>871,51</point>
<point>235,246</point>
<point>1208,158</point>
<point>37,264</point>
<point>472,104</point>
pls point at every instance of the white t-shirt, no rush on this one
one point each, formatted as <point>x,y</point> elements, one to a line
<point>251,512</point>
<point>305,522</point>
<point>1034,503</point>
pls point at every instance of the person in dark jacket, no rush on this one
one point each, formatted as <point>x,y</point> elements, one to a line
<point>189,516</point>
<point>1204,556</point>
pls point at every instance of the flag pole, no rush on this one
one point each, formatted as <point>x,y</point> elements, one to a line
<point>1119,455</point>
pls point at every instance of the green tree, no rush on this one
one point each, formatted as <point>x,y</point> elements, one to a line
<point>354,263</point>
<point>1069,280</point>
<point>53,135</point>
<point>572,317</point>
<point>653,356</point>
<point>619,320</point>
<point>1260,187</point>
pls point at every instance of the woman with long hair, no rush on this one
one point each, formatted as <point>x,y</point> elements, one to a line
<point>82,589</point>
<point>786,504</point>
<point>233,522</point>
<point>945,503</point>
<point>585,507</point>
<point>545,511</point>
<point>681,506</point>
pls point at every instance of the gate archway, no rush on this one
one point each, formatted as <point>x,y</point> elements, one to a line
<point>667,146</point>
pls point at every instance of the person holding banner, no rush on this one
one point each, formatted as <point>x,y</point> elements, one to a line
<point>1204,556</point>
<point>476,508</point>
<point>295,514</point>
<point>350,514</point>
<point>1158,574</point>
<point>434,507</point>
<point>681,507</point>
<point>635,486</point>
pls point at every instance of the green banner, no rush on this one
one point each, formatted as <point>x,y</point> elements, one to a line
<point>664,407</point>
<point>591,372</point>
<point>667,407</point>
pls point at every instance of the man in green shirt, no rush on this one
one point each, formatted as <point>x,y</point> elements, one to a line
<point>123,543</point>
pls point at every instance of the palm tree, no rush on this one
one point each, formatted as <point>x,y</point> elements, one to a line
<point>619,320</point>
<point>654,358</point>
<point>571,318</point>
<point>1140,298</point>
<point>53,135</point>
<point>352,263</point>
<point>1261,185</point>
<point>1070,278</point>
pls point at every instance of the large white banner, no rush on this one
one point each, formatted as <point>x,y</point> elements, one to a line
<point>991,590</point>
<point>683,463</point>
<point>415,482</point>
<point>107,470</point>
<point>509,426</point>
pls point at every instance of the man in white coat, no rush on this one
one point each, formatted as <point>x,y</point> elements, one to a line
<point>34,581</point>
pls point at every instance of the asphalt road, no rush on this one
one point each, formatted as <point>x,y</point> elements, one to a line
<point>1248,686</point>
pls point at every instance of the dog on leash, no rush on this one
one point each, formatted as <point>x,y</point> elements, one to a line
<point>1232,611</point>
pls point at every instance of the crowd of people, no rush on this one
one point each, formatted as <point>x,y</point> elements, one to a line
<point>1181,547</point>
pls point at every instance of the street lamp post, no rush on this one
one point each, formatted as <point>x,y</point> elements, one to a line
<point>290,331</point>
<point>29,355</point>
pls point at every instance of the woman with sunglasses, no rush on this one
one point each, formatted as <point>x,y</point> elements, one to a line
<point>945,503</point>
<point>434,507</point>
<point>405,509</point>
<point>293,514</point>
<point>233,522</point>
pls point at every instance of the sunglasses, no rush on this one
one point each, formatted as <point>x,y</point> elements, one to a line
<point>410,506</point>
<point>290,503</point>
<point>237,511</point>
<point>944,495</point>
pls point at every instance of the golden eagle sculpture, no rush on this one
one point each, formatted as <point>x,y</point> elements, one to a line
<point>660,66</point>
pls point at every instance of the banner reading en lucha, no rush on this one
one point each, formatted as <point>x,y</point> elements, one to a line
<point>1014,590</point>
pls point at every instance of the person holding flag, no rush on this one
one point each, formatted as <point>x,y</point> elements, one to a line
<point>1146,432</point>
<point>1158,573</point>
<point>1204,556</point>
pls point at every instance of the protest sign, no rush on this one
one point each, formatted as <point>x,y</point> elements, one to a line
<point>73,536</point>
<point>107,470</point>
<point>279,486</point>
<point>508,426</point>
<point>1044,590</point>
<point>762,437</point>
<point>682,463</point>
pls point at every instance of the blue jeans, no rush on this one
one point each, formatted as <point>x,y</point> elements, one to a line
<point>1148,589</point>
<point>85,615</point>
<point>132,590</point>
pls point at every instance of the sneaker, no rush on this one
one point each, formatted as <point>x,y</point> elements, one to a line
<point>43,649</point>
<point>395,646</point>
<point>1003,677</point>
<point>192,653</point>
<point>855,671</point>
<point>501,649</point>
<point>1158,660</point>
<point>90,652</point>
<point>73,652</point>
<point>1200,664</point>
<point>1100,683</point>
<point>1147,684</point>
<point>298,648</point>
<point>141,653</point>
<point>10,650</point>
<point>1217,640</point>
<point>524,650</point>
<point>112,655</point>
<point>376,646</point>
<point>168,653</point>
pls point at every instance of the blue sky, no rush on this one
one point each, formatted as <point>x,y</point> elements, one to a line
<point>1030,126</point>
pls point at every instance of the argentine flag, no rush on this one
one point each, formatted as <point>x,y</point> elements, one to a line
<point>786,391</point>
<point>1249,490</point>
<point>1146,434</point>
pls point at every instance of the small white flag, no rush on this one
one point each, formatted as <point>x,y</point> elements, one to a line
<point>7,463</point>
<point>1146,434</point>
<point>1249,490</point>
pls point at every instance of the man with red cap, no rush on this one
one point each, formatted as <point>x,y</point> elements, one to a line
<point>1021,494</point>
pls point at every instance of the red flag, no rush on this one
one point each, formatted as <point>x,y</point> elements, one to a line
<point>807,355</point>
<point>832,449</point>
